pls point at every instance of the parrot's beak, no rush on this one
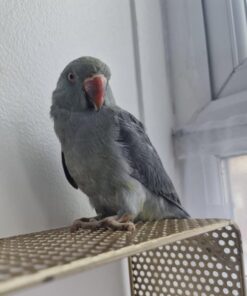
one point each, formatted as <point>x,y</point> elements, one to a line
<point>95,89</point>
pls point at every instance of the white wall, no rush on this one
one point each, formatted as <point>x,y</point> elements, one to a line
<point>105,280</point>
<point>158,109</point>
<point>38,38</point>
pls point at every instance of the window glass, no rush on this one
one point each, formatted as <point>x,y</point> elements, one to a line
<point>237,175</point>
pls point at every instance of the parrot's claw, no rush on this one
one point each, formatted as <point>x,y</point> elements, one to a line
<point>90,223</point>
<point>114,222</point>
<point>83,223</point>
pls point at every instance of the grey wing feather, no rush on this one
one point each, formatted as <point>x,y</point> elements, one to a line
<point>67,174</point>
<point>146,165</point>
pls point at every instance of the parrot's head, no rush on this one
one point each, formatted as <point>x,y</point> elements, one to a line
<point>82,85</point>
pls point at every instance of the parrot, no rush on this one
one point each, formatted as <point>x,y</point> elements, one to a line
<point>106,152</point>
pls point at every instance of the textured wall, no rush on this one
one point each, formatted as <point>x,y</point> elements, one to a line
<point>38,38</point>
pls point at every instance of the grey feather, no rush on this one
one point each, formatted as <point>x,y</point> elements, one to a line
<point>108,153</point>
<point>146,165</point>
<point>67,174</point>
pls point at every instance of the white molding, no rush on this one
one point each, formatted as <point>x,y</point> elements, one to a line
<point>239,24</point>
<point>187,57</point>
<point>226,30</point>
<point>213,32</point>
<point>219,131</point>
<point>137,59</point>
<point>236,82</point>
<point>219,113</point>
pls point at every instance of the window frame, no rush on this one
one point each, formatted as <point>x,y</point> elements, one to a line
<point>217,127</point>
<point>226,20</point>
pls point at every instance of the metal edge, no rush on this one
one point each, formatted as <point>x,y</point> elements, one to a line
<point>242,272</point>
<point>92,262</point>
<point>131,276</point>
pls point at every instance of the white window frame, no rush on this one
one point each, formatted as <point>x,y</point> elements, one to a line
<point>226,32</point>
<point>200,148</point>
<point>215,124</point>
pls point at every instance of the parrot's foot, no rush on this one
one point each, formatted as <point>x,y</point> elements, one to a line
<point>123,222</point>
<point>85,223</point>
<point>114,222</point>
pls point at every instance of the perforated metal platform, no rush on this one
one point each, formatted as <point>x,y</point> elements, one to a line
<point>168,257</point>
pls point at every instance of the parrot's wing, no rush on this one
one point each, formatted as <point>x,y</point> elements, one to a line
<point>67,174</point>
<point>146,165</point>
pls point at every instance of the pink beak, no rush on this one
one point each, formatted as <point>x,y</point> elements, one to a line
<point>95,89</point>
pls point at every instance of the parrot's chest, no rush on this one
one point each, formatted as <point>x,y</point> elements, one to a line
<point>94,160</point>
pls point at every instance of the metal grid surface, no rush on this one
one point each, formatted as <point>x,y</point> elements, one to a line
<point>203,265</point>
<point>39,257</point>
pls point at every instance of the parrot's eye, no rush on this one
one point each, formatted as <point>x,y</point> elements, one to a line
<point>71,77</point>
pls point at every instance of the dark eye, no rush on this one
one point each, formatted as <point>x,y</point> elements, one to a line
<point>71,77</point>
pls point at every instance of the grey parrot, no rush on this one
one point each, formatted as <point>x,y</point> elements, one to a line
<point>106,152</point>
